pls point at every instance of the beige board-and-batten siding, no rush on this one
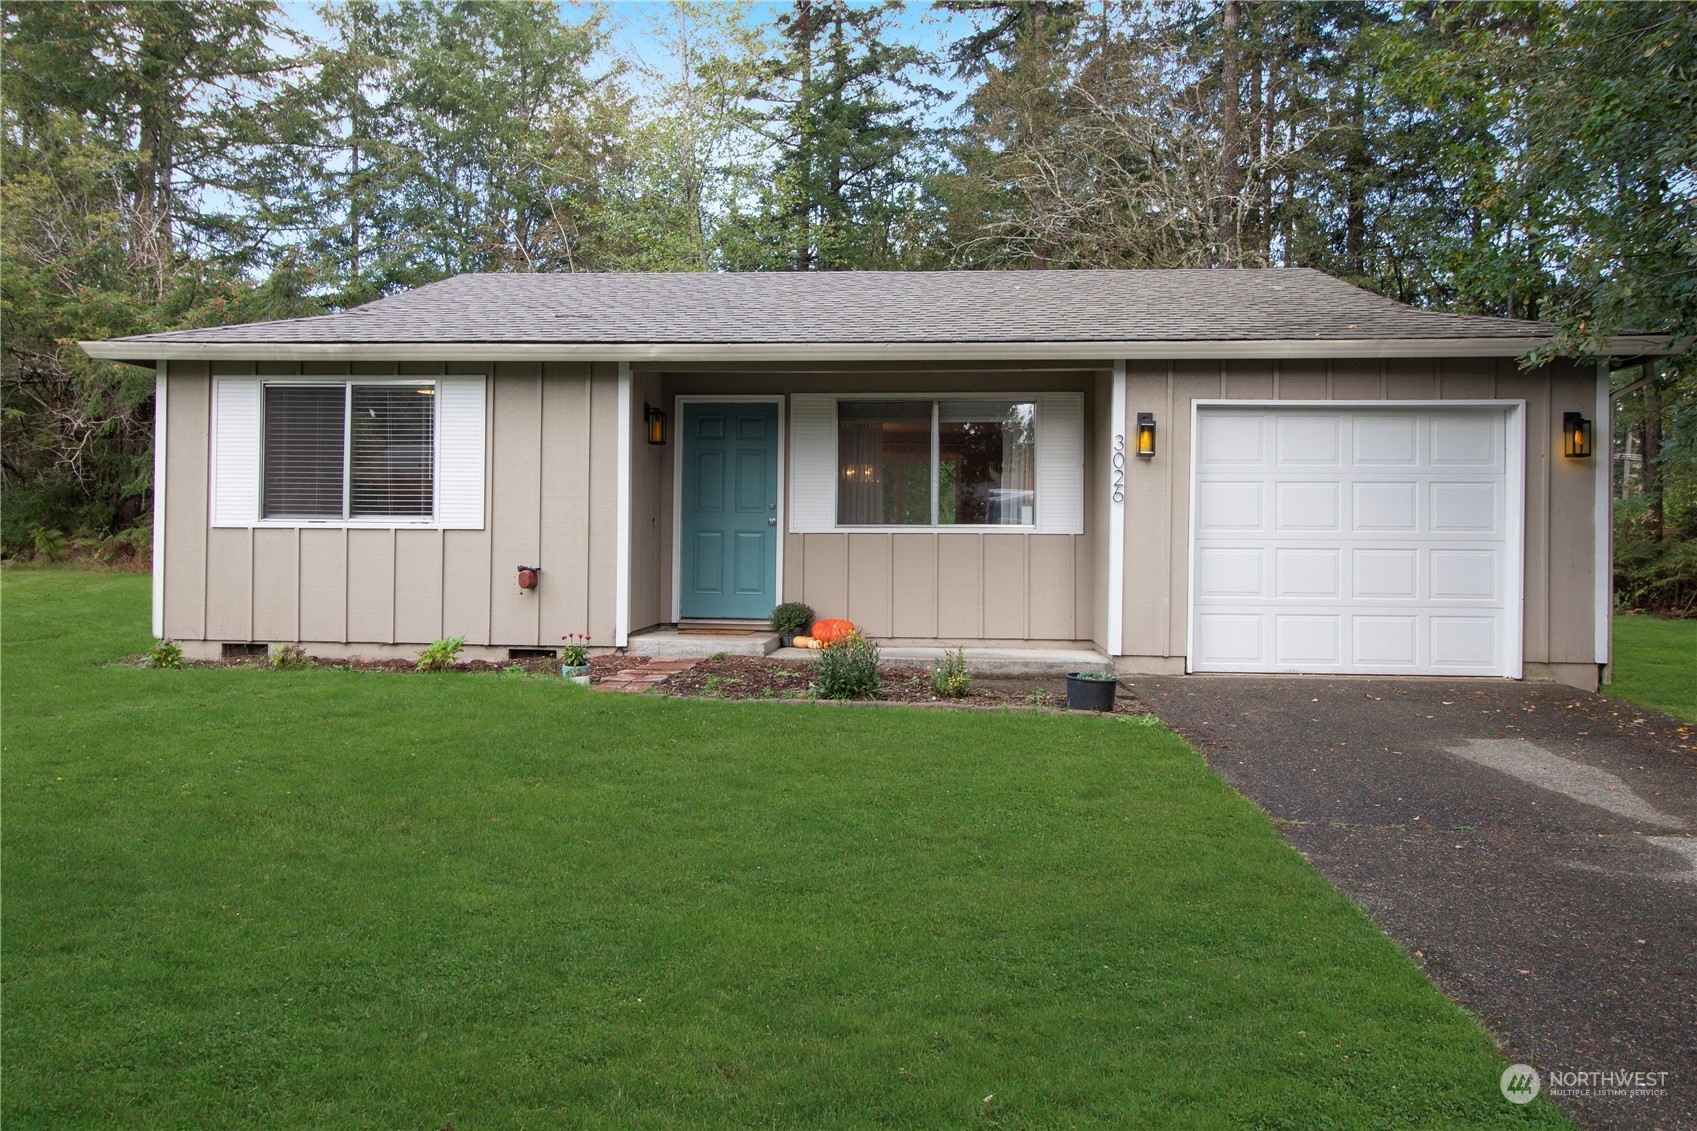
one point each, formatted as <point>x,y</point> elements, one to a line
<point>1010,587</point>
<point>550,498</point>
<point>1559,574</point>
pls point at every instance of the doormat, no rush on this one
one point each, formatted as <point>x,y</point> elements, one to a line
<point>715,632</point>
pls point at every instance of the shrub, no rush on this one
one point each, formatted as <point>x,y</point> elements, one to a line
<point>847,669</point>
<point>950,678</point>
<point>792,618</point>
<point>289,657</point>
<point>1657,577</point>
<point>165,654</point>
<point>440,656</point>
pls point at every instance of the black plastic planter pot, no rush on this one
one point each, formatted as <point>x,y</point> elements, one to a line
<point>1085,694</point>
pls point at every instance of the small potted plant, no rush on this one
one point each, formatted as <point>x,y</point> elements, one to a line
<point>790,621</point>
<point>574,658</point>
<point>1091,691</point>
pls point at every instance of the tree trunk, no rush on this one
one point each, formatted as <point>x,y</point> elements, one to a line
<point>1231,143</point>
<point>804,111</point>
<point>1654,521</point>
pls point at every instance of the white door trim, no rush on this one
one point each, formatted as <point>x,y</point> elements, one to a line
<point>1514,602</point>
<point>678,403</point>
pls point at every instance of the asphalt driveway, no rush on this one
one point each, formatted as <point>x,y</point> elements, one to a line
<point>1534,848</point>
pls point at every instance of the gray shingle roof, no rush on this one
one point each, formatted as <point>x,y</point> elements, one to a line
<point>1287,304</point>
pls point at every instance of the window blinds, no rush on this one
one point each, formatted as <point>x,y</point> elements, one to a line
<point>304,435</point>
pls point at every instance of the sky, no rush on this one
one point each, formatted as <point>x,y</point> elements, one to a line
<point>929,28</point>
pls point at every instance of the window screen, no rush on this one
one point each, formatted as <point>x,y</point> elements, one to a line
<point>384,453</point>
<point>986,472</point>
<point>392,444</point>
<point>884,463</point>
<point>304,431</point>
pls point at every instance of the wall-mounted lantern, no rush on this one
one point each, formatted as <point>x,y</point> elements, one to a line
<point>1576,435</point>
<point>655,419</point>
<point>1146,435</point>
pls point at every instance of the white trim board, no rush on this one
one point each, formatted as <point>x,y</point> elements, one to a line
<point>1512,638</point>
<point>1116,511</point>
<point>161,382</point>
<point>621,541</point>
<point>1602,551</point>
<point>781,487</point>
<point>672,352</point>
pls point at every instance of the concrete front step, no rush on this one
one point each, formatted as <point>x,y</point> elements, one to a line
<point>1009,663</point>
<point>670,644</point>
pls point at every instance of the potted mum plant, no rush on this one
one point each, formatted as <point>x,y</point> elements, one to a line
<point>791,620</point>
<point>574,658</point>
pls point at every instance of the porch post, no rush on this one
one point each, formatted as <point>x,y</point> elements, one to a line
<point>1603,445</point>
<point>1115,482</point>
<point>621,553</point>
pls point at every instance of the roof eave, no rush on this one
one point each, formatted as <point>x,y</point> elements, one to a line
<point>142,353</point>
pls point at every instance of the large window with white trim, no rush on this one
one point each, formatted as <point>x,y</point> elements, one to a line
<point>340,451</point>
<point>944,462</point>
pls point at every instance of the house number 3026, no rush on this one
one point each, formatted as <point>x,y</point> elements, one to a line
<point>1119,468</point>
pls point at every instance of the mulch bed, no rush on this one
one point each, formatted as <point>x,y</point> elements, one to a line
<point>747,677</point>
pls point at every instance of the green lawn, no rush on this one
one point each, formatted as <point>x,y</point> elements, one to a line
<point>325,899</point>
<point>1655,664</point>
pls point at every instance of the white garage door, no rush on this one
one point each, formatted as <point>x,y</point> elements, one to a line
<point>1355,540</point>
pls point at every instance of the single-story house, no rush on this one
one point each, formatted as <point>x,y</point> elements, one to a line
<point>1185,471</point>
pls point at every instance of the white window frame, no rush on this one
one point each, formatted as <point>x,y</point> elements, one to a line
<point>254,474</point>
<point>344,520</point>
<point>934,527</point>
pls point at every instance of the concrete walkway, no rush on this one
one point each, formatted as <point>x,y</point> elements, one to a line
<point>1534,848</point>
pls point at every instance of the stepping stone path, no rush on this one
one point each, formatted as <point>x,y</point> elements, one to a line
<point>651,674</point>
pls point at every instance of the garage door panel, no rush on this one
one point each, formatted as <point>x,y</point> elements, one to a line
<point>1309,573</point>
<point>1231,507</point>
<point>1382,506</point>
<point>1466,508</point>
<point>1466,439</point>
<point>1465,575</point>
<point>1386,439</point>
<point>1385,574</point>
<point>1368,540</point>
<point>1308,441</point>
<point>1303,640</point>
<point>1228,571</point>
<point>1304,506</point>
<point>1386,642</point>
<point>1233,440</point>
<point>1463,642</point>
<point>1231,641</point>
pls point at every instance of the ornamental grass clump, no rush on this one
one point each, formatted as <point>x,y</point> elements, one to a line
<point>847,669</point>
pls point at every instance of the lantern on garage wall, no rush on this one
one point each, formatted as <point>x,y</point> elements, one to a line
<point>1576,435</point>
<point>1146,435</point>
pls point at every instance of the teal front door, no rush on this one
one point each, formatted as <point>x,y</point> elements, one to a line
<point>729,536</point>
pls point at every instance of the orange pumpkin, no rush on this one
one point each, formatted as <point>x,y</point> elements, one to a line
<point>831,631</point>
